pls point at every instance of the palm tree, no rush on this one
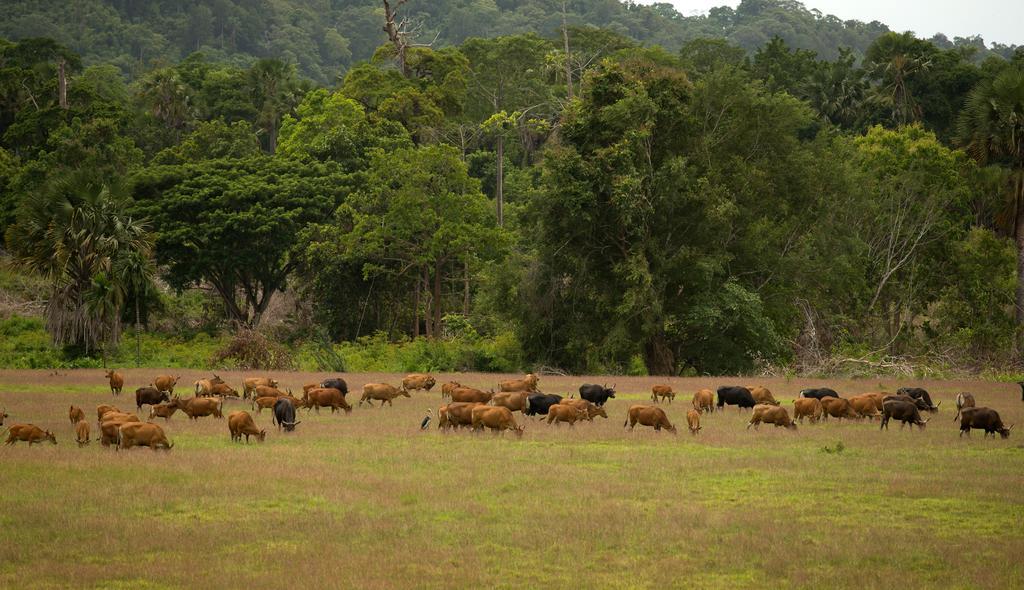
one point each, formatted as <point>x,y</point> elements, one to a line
<point>167,99</point>
<point>893,59</point>
<point>837,90</point>
<point>134,272</point>
<point>275,92</point>
<point>991,129</point>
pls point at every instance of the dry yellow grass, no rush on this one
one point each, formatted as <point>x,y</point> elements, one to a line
<point>368,500</point>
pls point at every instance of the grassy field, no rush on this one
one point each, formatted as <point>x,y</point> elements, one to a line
<point>368,500</point>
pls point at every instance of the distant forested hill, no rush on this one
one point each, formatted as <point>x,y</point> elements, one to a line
<point>325,37</point>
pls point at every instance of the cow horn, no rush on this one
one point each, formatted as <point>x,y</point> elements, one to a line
<point>1011,427</point>
<point>170,446</point>
<point>938,404</point>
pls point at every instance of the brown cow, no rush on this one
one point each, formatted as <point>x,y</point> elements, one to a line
<point>807,407</point>
<point>166,383</point>
<point>704,401</point>
<point>240,423</point>
<point>3,414</point>
<point>74,414</point>
<point>559,413</point>
<point>109,429</point>
<point>223,390</point>
<point>309,386</point>
<point>497,418</point>
<point>770,414</point>
<point>418,381</point>
<point>648,416</point>
<point>103,409</point>
<point>456,415</point>
<point>838,407</point>
<point>165,411</point>
<point>761,395</point>
<point>142,434</point>
<point>527,383</point>
<point>116,379</point>
<point>693,421</point>
<point>198,407</point>
<point>268,391</point>
<point>381,391</point>
<point>29,433</point>
<point>590,408</point>
<point>448,388</point>
<point>468,394</point>
<point>517,401</point>
<point>249,385</point>
<point>264,403</point>
<point>326,397</point>
<point>205,386</point>
<point>877,397</point>
<point>662,391</point>
<point>864,405</point>
<point>82,432</point>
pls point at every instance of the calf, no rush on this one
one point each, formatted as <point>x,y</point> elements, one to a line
<point>29,433</point>
<point>819,393</point>
<point>528,383</point>
<point>150,396</point>
<point>284,414</point>
<point>418,381</point>
<point>838,407</point>
<point>82,432</point>
<point>770,414</point>
<point>985,419</point>
<point>735,396</point>
<point>468,394</point>
<point>559,413</point>
<point>381,391</point>
<point>648,416</point>
<point>164,411</point>
<point>591,409</point>
<point>664,392</point>
<point>166,383</point>
<point>198,407</point>
<point>142,434</point>
<point>448,388</point>
<point>497,418</point>
<point>597,394</point>
<point>75,414</point>
<point>693,421</point>
<point>761,395</point>
<point>326,398</point>
<point>116,380</point>
<point>240,423</point>
<point>205,386</point>
<point>540,403</point>
<point>904,411</point>
<point>704,401</point>
<point>268,391</point>
<point>963,400</point>
<point>516,401</point>
<point>249,385</point>
<point>807,407</point>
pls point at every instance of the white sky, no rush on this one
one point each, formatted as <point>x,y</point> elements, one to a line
<point>996,20</point>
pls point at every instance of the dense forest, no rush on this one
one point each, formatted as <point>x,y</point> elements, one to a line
<point>582,186</point>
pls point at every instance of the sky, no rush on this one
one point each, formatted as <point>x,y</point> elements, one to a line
<point>999,21</point>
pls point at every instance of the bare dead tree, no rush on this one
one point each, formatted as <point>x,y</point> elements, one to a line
<point>401,32</point>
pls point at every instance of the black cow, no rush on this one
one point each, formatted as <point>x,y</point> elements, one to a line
<point>921,394</point>
<point>735,396</point>
<point>540,403</point>
<point>985,419</point>
<point>336,383</point>
<point>819,392</point>
<point>919,402</point>
<point>284,414</point>
<point>902,410</point>
<point>596,394</point>
<point>151,396</point>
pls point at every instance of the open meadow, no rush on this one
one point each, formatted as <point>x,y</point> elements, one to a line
<point>369,500</point>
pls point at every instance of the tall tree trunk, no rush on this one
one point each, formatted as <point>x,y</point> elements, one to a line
<point>499,189</point>
<point>138,334</point>
<point>1019,206</point>
<point>437,300</point>
<point>465,288</point>
<point>658,356</point>
<point>568,55</point>
<point>427,316</point>
<point>416,312</point>
<point>272,136</point>
<point>62,85</point>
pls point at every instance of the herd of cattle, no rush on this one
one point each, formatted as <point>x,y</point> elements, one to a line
<point>477,409</point>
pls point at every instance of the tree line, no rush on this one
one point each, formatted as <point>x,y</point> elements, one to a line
<point>608,204</point>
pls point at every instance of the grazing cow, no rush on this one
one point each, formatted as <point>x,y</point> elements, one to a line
<point>985,419</point>
<point>838,407</point>
<point>762,395</point>
<point>326,398</point>
<point>103,409</point>
<point>648,416</point>
<point>921,394</point>
<point>559,413</point>
<point>205,386</point>
<point>82,432</point>
<point>164,411</point>
<point>819,393</point>
<point>223,390</point>
<point>240,423</point>
<point>418,381</point>
<point>693,421</point>
<point>517,401</point>
<point>590,408</point>
<point>664,392</point>
<point>249,385</point>
<point>110,429</point>
<point>335,383</point>
<point>198,407</point>
<point>527,383</point>
<point>284,414</point>
<point>448,388</point>
<point>74,414</point>
<point>704,401</point>
<point>876,396</point>
<point>963,400</point>
<point>166,383</point>
<point>770,414</point>
<point>735,396</point>
<point>116,379</point>
<point>497,418</point>
<point>864,405</point>
<point>904,411</point>
<point>268,391</point>
<point>29,433</point>
<point>919,402</point>
<point>381,391</point>
<point>807,407</point>
<point>597,394</point>
<point>468,394</point>
<point>456,415</point>
<point>142,434</point>
<point>151,396</point>
<point>540,403</point>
